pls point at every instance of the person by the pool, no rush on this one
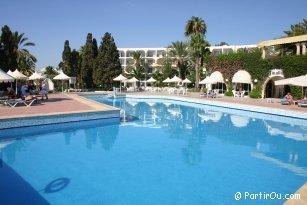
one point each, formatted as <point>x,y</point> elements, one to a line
<point>44,90</point>
<point>288,98</point>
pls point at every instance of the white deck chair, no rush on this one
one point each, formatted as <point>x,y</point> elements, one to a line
<point>13,103</point>
<point>242,94</point>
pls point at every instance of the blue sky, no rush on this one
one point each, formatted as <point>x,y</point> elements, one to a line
<point>137,23</point>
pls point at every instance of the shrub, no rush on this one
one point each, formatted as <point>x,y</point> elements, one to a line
<point>255,93</point>
<point>296,92</point>
<point>228,92</point>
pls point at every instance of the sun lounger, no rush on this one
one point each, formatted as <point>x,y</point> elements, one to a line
<point>285,102</point>
<point>13,103</point>
<point>302,104</point>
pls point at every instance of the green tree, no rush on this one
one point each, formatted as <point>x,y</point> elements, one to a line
<point>25,60</point>
<point>66,59</point>
<point>136,67</point>
<point>75,63</point>
<point>50,72</point>
<point>179,52</point>
<point>297,29</point>
<point>223,43</point>
<point>95,48</point>
<point>8,56</point>
<point>196,28</point>
<point>107,65</point>
<point>86,71</point>
<point>198,49</point>
<point>14,53</point>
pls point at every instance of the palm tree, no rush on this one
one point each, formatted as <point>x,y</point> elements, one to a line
<point>298,29</point>
<point>196,28</point>
<point>136,68</point>
<point>198,48</point>
<point>26,61</point>
<point>137,57</point>
<point>179,52</point>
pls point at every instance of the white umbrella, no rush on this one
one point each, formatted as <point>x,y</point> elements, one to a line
<point>9,72</point>
<point>186,81</point>
<point>167,80</point>
<point>175,79</point>
<point>36,76</point>
<point>4,77</point>
<point>120,78</point>
<point>18,76</point>
<point>133,80</point>
<point>296,81</point>
<point>151,80</point>
<point>62,77</point>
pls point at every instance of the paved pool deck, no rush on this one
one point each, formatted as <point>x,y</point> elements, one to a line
<point>268,103</point>
<point>58,103</point>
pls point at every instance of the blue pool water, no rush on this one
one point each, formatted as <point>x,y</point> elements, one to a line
<point>162,152</point>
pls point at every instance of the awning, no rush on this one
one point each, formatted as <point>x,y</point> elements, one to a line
<point>242,76</point>
<point>216,77</point>
<point>207,80</point>
<point>296,81</point>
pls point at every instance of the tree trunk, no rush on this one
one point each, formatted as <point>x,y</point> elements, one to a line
<point>179,69</point>
<point>197,72</point>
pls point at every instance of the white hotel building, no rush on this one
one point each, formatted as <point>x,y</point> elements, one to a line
<point>152,55</point>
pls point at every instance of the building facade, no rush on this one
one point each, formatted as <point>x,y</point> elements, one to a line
<point>152,55</point>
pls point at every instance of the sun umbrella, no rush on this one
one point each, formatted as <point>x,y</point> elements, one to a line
<point>36,76</point>
<point>133,80</point>
<point>62,77</point>
<point>296,81</point>
<point>120,78</point>
<point>4,77</point>
<point>151,80</point>
<point>186,81</point>
<point>9,72</point>
<point>18,76</point>
<point>167,80</point>
<point>175,79</point>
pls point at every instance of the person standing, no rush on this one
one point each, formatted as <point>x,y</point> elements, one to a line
<point>44,90</point>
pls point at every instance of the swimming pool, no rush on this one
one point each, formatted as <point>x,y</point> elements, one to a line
<point>162,152</point>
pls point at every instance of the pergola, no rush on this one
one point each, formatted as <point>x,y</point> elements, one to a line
<point>299,41</point>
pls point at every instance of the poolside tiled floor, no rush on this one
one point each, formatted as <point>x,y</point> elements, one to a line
<point>244,101</point>
<point>58,103</point>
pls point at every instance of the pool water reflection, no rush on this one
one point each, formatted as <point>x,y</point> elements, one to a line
<point>162,153</point>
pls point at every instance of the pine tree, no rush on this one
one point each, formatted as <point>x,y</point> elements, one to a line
<point>107,65</point>
<point>86,72</point>
<point>66,55</point>
<point>95,48</point>
<point>74,63</point>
